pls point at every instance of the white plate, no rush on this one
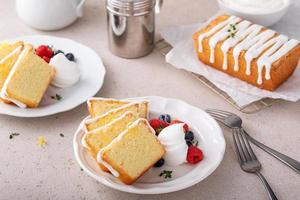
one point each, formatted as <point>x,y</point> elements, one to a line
<point>92,74</point>
<point>206,130</point>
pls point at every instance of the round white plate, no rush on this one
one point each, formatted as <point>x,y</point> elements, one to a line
<point>206,130</point>
<point>92,74</point>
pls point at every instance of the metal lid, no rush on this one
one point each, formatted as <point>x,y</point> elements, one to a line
<point>130,7</point>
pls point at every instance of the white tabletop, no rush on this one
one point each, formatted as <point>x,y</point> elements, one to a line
<point>30,172</point>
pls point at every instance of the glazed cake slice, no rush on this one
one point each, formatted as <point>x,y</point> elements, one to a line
<point>98,106</point>
<point>99,138</point>
<point>132,153</point>
<point>28,80</point>
<point>139,109</point>
<point>6,48</point>
<point>247,51</point>
<point>9,54</point>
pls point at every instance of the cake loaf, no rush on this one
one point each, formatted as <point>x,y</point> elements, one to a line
<point>250,52</point>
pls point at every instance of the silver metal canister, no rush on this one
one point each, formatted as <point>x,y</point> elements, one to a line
<point>131,26</point>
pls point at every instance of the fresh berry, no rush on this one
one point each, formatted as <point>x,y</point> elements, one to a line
<point>189,136</point>
<point>44,51</point>
<point>46,59</point>
<point>192,143</point>
<point>159,163</point>
<point>158,125</point>
<point>166,118</point>
<point>70,57</point>
<point>189,143</point>
<point>57,52</point>
<point>185,126</point>
<point>194,155</point>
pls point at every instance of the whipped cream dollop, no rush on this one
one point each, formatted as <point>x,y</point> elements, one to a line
<point>256,6</point>
<point>172,138</point>
<point>67,72</point>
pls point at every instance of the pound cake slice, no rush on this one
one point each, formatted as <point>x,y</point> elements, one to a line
<point>140,109</point>
<point>6,48</point>
<point>99,138</point>
<point>247,51</point>
<point>9,54</point>
<point>98,106</point>
<point>28,80</point>
<point>132,153</point>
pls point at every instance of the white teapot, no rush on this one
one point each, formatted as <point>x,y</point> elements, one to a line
<point>49,14</point>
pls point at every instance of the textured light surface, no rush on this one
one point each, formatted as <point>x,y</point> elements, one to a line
<point>30,172</point>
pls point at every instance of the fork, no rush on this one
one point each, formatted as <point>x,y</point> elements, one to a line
<point>231,120</point>
<point>247,159</point>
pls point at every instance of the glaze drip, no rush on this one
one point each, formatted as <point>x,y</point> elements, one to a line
<point>258,42</point>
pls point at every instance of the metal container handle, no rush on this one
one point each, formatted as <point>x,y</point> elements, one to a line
<point>158,5</point>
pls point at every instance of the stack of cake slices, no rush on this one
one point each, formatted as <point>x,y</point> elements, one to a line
<point>120,139</point>
<point>24,76</point>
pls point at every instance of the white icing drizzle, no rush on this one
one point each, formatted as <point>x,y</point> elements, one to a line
<point>83,140</point>
<point>108,166</point>
<point>273,45</point>
<point>254,44</point>
<point>243,31</point>
<point>3,93</point>
<point>17,50</point>
<point>92,120</point>
<point>118,138</point>
<point>280,48</point>
<point>251,38</point>
<point>221,35</point>
<point>212,31</point>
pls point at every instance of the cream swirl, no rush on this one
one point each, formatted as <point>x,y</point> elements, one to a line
<point>67,72</point>
<point>172,138</point>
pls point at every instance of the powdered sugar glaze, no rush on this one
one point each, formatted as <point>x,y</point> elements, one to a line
<point>258,42</point>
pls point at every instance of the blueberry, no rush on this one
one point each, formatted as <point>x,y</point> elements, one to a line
<point>189,136</point>
<point>70,57</point>
<point>159,163</point>
<point>166,118</point>
<point>189,143</point>
<point>58,51</point>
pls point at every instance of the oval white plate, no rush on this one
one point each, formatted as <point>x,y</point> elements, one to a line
<point>92,73</point>
<point>206,130</point>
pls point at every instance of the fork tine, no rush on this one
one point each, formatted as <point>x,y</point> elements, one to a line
<point>217,114</point>
<point>218,117</point>
<point>220,111</point>
<point>244,146</point>
<point>237,145</point>
<point>248,145</point>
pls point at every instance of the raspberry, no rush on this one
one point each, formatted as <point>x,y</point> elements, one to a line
<point>46,59</point>
<point>185,126</point>
<point>158,125</point>
<point>194,155</point>
<point>44,51</point>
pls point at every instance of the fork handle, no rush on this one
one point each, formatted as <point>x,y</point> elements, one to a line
<point>294,164</point>
<point>271,194</point>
